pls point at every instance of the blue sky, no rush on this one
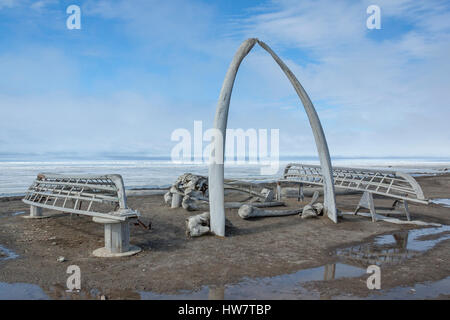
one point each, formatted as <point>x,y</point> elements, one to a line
<point>137,70</point>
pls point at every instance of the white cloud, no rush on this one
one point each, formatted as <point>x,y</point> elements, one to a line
<point>388,97</point>
<point>158,23</point>
<point>37,69</point>
<point>35,5</point>
<point>120,122</point>
<point>41,4</point>
<point>309,24</point>
<point>8,3</point>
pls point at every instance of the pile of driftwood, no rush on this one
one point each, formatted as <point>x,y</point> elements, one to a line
<point>191,192</point>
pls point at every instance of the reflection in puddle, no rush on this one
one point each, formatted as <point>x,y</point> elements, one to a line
<point>288,286</point>
<point>444,202</point>
<point>394,248</point>
<point>60,292</point>
<point>21,291</point>
<point>7,254</point>
<point>28,291</point>
<point>427,290</point>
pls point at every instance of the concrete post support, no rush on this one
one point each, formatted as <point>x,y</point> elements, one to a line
<point>35,213</point>
<point>117,239</point>
<point>366,202</point>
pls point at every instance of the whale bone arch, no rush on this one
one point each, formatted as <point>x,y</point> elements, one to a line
<point>216,166</point>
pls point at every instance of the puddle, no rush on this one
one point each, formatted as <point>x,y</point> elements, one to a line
<point>7,254</point>
<point>28,291</point>
<point>288,286</point>
<point>386,249</point>
<point>426,290</point>
<point>444,202</point>
<point>12,214</point>
<point>394,248</point>
<point>21,291</point>
<point>291,286</point>
<point>60,292</point>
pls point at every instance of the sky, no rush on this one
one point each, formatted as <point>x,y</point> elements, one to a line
<point>138,70</point>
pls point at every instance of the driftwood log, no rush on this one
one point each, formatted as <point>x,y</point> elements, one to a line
<point>266,195</point>
<point>192,204</point>
<point>247,211</point>
<point>312,209</point>
<point>199,225</point>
